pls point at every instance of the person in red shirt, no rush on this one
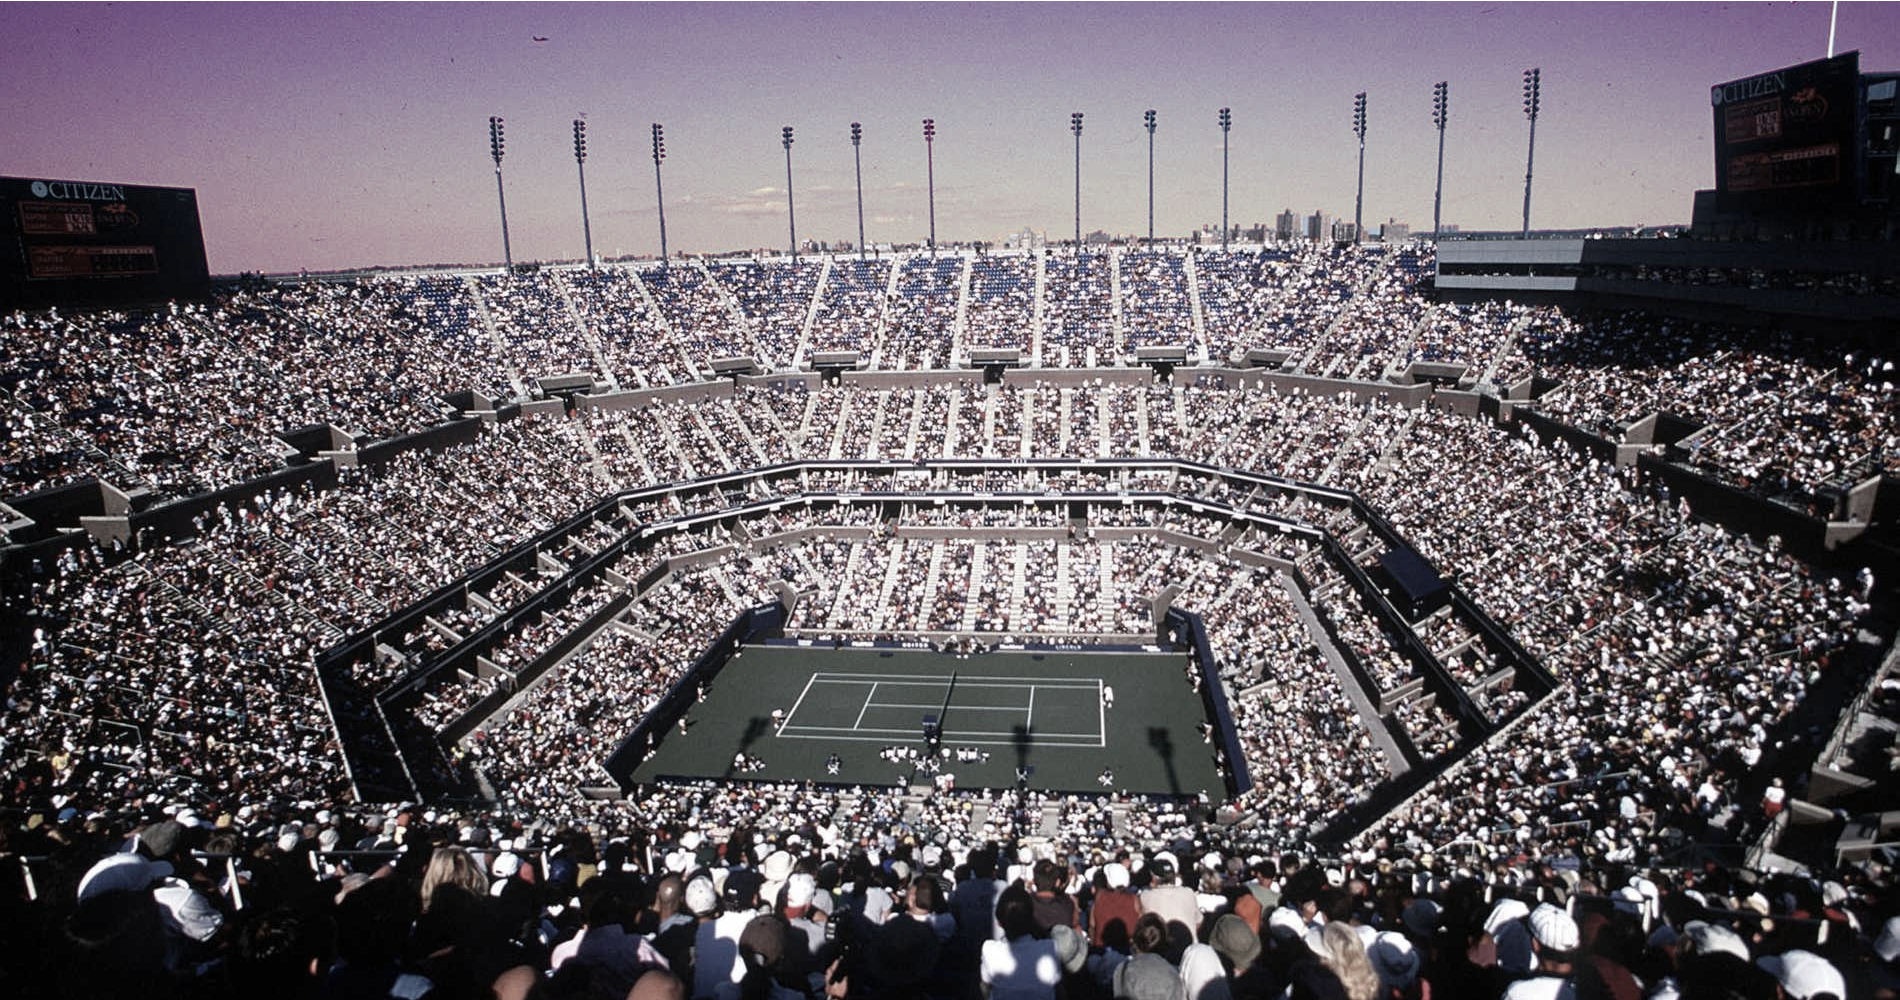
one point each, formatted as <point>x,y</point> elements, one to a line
<point>1116,908</point>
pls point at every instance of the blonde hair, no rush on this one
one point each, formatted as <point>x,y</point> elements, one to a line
<point>452,866</point>
<point>1342,952</point>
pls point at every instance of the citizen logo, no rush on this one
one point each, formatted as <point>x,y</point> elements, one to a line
<point>76,191</point>
<point>1766,85</point>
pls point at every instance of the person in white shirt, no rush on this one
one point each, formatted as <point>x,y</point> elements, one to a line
<point>1022,966</point>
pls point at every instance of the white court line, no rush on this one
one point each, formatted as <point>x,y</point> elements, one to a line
<point>977,737</point>
<point>1029,720</point>
<point>1074,682</point>
<point>960,708</point>
<point>1101,714</point>
<point>791,731</point>
<point>813,679</point>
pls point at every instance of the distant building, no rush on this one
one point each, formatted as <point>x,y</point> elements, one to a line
<point>1395,231</point>
<point>1318,226</point>
<point>1025,239</point>
<point>1345,232</point>
<point>1286,225</point>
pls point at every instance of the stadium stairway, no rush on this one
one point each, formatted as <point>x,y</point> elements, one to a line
<point>1051,823</point>
<point>803,351</point>
<point>474,291</point>
<point>959,330</point>
<point>1035,321</point>
<point>1196,323</point>
<point>1368,713</point>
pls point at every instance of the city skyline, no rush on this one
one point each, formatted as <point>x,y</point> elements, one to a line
<point>328,137</point>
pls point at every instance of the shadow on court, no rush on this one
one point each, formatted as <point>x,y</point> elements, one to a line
<point>1163,747</point>
<point>755,729</point>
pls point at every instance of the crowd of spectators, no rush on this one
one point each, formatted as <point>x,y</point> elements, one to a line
<point>923,314</point>
<point>852,307</point>
<point>175,401</point>
<point>175,678</point>
<point>1155,306</point>
<point>698,893</point>
<point>1078,313</point>
<point>1000,307</point>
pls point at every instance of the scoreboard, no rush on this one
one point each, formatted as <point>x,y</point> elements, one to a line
<point>1789,139</point>
<point>82,244</point>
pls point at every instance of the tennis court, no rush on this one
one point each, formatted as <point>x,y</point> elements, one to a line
<point>968,710</point>
<point>784,711</point>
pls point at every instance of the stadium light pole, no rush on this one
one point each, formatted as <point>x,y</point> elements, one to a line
<point>659,192</point>
<point>497,144</point>
<point>1226,125</point>
<point>1533,98</point>
<point>857,158</point>
<point>791,215</point>
<point>1359,129</point>
<point>930,168</point>
<point>1441,110</point>
<point>580,163</point>
<point>1148,122</point>
<point>1075,125</point>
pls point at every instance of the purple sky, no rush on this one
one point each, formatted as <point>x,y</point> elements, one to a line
<point>329,136</point>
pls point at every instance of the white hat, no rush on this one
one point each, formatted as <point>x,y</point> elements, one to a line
<point>122,872</point>
<point>507,863</point>
<point>1709,939</point>
<point>1804,974</point>
<point>1116,875</point>
<point>701,897</point>
<point>1284,919</point>
<point>799,890</point>
<point>778,866</point>
<point>1505,911</point>
<point>1553,928</point>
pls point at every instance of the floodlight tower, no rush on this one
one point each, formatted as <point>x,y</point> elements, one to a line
<point>1533,99</point>
<point>1075,125</point>
<point>930,165</point>
<point>1441,110</point>
<point>497,144</point>
<point>1226,125</point>
<point>1359,129</point>
<point>580,162</point>
<point>791,215</point>
<point>1148,122</point>
<point>857,157</point>
<point>659,191</point>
